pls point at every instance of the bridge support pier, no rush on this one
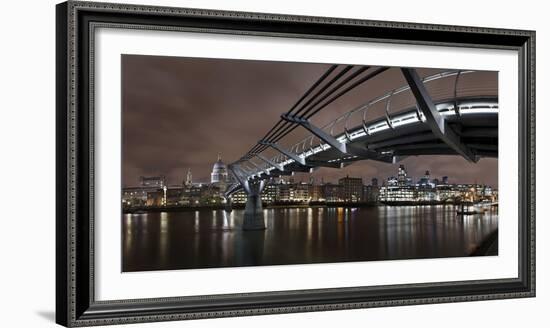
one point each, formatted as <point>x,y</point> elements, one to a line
<point>253,212</point>
<point>228,204</point>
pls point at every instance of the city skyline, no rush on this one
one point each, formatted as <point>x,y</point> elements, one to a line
<point>399,189</point>
<point>179,113</point>
<point>319,178</point>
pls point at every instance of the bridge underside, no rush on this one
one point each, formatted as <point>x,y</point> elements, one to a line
<point>477,132</point>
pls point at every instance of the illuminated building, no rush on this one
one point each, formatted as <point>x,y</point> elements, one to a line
<point>351,189</point>
<point>192,195</point>
<point>135,196</point>
<point>425,180</point>
<point>155,198</point>
<point>292,192</point>
<point>396,193</point>
<point>173,195</point>
<point>219,172</point>
<point>371,193</point>
<point>401,175</point>
<point>269,194</point>
<point>239,197</point>
<point>332,192</point>
<point>188,179</point>
<point>284,192</point>
<point>448,193</point>
<point>392,181</point>
<point>315,192</point>
<point>152,182</point>
<point>427,193</point>
<point>301,192</point>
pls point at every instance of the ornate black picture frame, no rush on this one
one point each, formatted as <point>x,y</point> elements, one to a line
<point>75,301</point>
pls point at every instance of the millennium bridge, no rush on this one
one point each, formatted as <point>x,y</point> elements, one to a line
<point>453,122</point>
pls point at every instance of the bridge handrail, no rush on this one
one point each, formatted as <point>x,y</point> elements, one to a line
<point>385,96</point>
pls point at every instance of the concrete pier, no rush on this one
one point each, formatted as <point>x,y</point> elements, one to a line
<point>253,213</point>
<point>228,205</point>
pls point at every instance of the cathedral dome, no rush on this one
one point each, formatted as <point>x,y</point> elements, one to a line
<point>219,172</point>
<point>219,165</point>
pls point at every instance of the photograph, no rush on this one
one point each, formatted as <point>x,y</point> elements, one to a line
<point>234,163</point>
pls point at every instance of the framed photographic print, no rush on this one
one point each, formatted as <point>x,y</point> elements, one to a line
<point>214,163</point>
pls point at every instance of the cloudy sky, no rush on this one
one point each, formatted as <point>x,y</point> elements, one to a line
<point>179,113</point>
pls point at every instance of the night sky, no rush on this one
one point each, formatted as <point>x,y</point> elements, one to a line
<point>179,113</point>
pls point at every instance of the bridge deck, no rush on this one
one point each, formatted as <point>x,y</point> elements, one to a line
<point>477,126</point>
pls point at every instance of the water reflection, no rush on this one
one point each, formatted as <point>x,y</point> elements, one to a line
<point>201,239</point>
<point>164,238</point>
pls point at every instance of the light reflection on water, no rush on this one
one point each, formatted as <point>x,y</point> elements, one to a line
<point>164,238</point>
<point>200,239</point>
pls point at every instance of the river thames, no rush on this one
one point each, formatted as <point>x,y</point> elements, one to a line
<point>214,238</point>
